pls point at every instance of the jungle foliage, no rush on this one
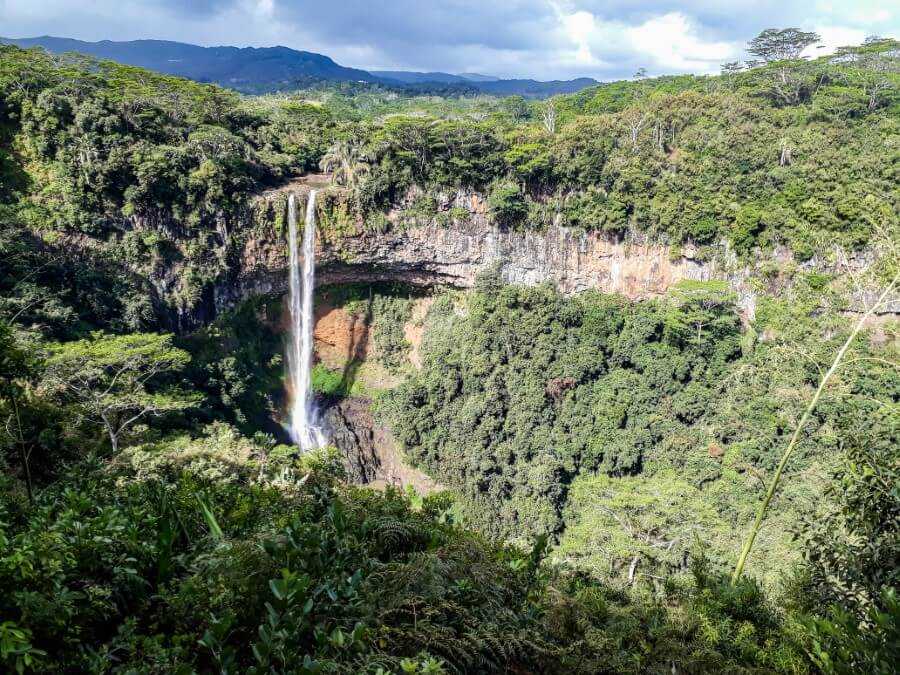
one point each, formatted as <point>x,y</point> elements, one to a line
<point>606,451</point>
<point>642,434</point>
<point>689,159</point>
<point>218,553</point>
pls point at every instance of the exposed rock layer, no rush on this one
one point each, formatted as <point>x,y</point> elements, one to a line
<point>370,453</point>
<point>454,253</point>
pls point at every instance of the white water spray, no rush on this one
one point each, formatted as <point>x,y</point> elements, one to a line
<point>304,417</point>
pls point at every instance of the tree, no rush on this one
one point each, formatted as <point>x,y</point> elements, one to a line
<point>516,107</point>
<point>876,59</point>
<point>507,204</point>
<point>548,116</point>
<point>346,161</point>
<point>730,71</point>
<point>16,368</point>
<point>637,115</point>
<point>111,378</point>
<point>785,44</point>
<point>782,48</point>
<point>405,145</point>
<point>703,315</point>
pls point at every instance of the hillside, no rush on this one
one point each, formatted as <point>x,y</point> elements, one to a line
<point>249,69</point>
<point>591,330</point>
<point>254,70</point>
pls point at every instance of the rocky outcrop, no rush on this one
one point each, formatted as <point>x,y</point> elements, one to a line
<point>371,455</point>
<point>455,251</point>
<point>350,423</point>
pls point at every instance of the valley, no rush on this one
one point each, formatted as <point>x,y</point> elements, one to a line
<point>377,381</point>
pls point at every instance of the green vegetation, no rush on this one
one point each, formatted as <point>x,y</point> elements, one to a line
<point>644,435</point>
<point>218,553</point>
<point>530,389</point>
<point>604,458</point>
<point>702,160</point>
<point>105,378</point>
<point>386,308</point>
<point>237,363</point>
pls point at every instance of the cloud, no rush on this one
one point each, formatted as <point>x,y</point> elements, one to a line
<point>195,8</point>
<point>548,39</point>
<point>666,43</point>
<point>834,37</point>
<point>671,42</point>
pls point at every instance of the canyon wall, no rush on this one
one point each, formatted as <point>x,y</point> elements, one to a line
<point>453,252</point>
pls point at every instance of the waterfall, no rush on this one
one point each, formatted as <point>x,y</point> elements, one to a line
<point>304,417</point>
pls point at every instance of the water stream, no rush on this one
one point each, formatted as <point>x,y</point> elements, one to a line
<point>305,429</point>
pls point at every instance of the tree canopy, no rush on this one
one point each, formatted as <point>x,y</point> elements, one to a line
<point>111,378</point>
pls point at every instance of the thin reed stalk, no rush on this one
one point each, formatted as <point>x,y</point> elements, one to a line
<point>773,486</point>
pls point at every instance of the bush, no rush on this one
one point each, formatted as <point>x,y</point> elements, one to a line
<point>507,205</point>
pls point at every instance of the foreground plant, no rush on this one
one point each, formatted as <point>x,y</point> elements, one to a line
<point>773,485</point>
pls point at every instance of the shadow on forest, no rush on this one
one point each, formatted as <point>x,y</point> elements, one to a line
<point>357,347</point>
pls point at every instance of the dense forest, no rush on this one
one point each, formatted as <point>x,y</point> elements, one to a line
<point>604,459</point>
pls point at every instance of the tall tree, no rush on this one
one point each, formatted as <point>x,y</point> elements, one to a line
<point>784,44</point>
<point>17,367</point>
<point>875,61</point>
<point>782,49</point>
<point>111,378</point>
<point>637,115</point>
<point>346,161</point>
<point>548,116</point>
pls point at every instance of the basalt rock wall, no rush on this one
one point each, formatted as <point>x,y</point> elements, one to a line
<point>452,250</point>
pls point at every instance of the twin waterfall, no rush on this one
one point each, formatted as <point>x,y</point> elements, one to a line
<point>304,416</point>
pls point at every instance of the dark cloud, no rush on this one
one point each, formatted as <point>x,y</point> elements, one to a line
<point>505,25</point>
<point>538,38</point>
<point>196,8</point>
<point>452,35</point>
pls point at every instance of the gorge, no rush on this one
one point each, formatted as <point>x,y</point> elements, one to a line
<point>427,253</point>
<point>354,380</point>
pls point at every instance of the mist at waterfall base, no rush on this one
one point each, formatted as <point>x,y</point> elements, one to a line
<point>303,416</point>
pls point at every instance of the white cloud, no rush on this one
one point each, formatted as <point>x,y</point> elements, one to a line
<point>666,43</point>
<point>672,43</point>
<point>834,37</point>
<point>579,27</point>
<point>264,8</point>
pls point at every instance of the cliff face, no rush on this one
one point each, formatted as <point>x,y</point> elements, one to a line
<point>371,454</point>
<point>455,251</point>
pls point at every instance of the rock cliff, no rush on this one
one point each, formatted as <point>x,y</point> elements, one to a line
<point>454,251</point>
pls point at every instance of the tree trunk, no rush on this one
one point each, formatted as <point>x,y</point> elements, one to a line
<point>110,430</point>
<point>23,456</point>
<point>27,467</point>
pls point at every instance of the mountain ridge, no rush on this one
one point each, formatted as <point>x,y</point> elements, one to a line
<point>260,70</point>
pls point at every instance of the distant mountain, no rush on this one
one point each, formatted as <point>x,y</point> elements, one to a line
<point>476,77</point>
<point>488,84</point>
<point>249,69</point>
<point>534,88</point>
<point>257,70</point>
<point>411,77</point>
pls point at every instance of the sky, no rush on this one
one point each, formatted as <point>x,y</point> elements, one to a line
<point>543,39</point>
